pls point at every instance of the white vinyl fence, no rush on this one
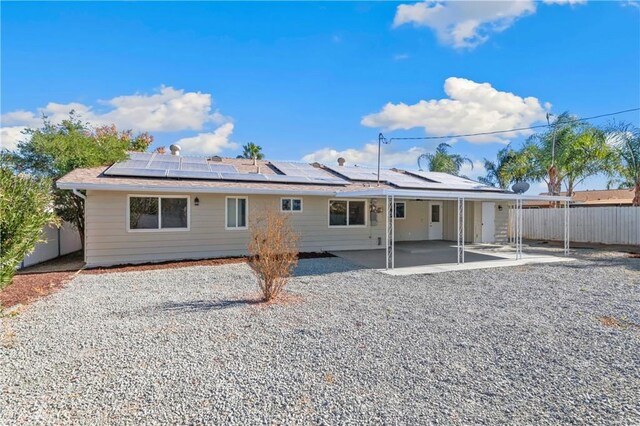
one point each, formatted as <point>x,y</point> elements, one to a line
<point>59,242</point>
<point>605,225</point>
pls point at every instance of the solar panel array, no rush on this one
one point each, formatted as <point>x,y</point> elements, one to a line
<point>308,171</point>
<point>186,167</point>
<point>144,164</point>
<point>453,182</point>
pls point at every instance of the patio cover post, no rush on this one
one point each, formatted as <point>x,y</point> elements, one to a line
<point>518,226</point>
<point>567,218</point>
<point>386,231</point>
<point>390,232</point>
<point>460,218</point>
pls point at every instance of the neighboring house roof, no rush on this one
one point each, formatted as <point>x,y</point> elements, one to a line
<point>596,197</point>
<point>232,175</point>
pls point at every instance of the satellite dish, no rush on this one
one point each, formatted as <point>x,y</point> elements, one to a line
<point>520,187</point>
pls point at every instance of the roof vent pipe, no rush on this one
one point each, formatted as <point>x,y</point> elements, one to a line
<point>341,161</point>
<point>175,149</point>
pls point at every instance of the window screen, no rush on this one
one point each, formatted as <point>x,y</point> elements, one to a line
<point>174,212</point>
<point>338,213</point>
<point>356,212</point>
<point>143,213</point>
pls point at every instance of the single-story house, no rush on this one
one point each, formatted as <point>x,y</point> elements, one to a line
<point>159,207</point>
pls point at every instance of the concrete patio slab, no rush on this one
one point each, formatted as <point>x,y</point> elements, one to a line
<point>431,257</point>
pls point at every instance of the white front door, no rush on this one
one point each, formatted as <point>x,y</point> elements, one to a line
<point>488,222</point>
<point>435,220</point>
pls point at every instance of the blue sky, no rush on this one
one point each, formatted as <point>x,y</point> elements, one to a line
<point>315,81</point>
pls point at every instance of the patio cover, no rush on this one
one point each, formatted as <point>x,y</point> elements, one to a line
<point>390,195</point>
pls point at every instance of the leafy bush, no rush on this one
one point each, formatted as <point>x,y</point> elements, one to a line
<point>26,206</point>
<point>56,149</point>
<point>274,251</point>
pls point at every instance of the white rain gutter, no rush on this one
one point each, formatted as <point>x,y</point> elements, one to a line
<point>448,195</point>
<point>186,189</point>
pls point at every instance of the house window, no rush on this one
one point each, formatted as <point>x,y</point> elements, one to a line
<point>291,204</point>
<point>347,213</point>
<point>236,213</point>
<point>152,213</point>
<point>435,213</point>
<point>400,210</point>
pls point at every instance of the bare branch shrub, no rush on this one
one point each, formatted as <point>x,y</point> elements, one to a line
<point>273,251</point>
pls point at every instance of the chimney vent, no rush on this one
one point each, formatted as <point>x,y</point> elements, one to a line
<point>341,161</point>
<point>175,149</point>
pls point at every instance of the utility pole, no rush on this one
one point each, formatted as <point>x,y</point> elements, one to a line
<point>381,140</point>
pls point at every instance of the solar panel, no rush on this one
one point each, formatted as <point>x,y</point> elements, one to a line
<point>223,168</point>
<point>163,164</point>
<point>356,173</point>
<point>401,180</point>
<point>306,170</point>
<point>251,177</point>
<point>194,167</point>
<point>125,171</point>
<point>188,159</point>
<point>452,182</point>
<point>193,174</point>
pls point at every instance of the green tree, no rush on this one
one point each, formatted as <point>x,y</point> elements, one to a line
<point>625,139</point>
<point>26,206</point>
<point>442,161</point>
<point>252,151</point>
<point>504,170</point>
<point>56,149</point>
<point>569,152</point>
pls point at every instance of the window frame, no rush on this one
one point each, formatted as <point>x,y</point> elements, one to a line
<point>159,228</point>
<point>226,213</point>
<point>348,201</point>
<point>291,199</point>
<point>404,203</point>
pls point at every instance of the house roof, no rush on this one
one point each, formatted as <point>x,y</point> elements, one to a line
<point>596,197</point>
<point>263,177</point>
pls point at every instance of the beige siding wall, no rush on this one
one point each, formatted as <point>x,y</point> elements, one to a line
<point>415,226</point>
<point>450,225</point>
<point>109,243</point>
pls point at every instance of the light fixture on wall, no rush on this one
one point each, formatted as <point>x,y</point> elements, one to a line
<point>499,208</point>
<point>196,201</point>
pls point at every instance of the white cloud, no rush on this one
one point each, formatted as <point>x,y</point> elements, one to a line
<point>167,110</point>
<point>470,108</point>
<point>368,156</point>
<point>464,24</point>
<point>10,136</point>
<point>473,172</point>
<point>570,2</point>
<point>209,143</point>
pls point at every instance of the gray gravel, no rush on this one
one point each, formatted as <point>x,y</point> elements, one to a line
<point>511,345</point>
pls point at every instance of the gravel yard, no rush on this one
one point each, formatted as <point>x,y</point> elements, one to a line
<point>554,343</point>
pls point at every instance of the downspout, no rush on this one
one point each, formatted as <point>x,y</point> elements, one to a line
<point>79,194</point>
<point>84,243</point>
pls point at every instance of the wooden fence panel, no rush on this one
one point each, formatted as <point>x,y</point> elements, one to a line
<point>606,225</point>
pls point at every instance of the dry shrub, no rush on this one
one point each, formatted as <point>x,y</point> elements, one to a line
<point>273,251</point>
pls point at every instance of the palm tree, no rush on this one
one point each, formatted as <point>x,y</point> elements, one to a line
<point>569,152</point>
<point>505,170</point>
<point>625,139</point>
<point>442,161</point>
<point>252,151</point>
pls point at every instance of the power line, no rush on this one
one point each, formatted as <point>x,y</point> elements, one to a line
<point>577,120</point>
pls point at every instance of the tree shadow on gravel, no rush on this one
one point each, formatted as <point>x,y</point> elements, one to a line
<point>207,305</point>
